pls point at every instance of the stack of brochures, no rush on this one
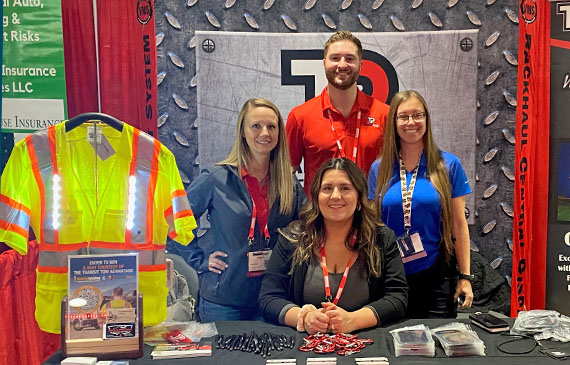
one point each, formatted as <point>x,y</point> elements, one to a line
<point>458,339</point>
<point>180,350</point>
<point>413,340</point>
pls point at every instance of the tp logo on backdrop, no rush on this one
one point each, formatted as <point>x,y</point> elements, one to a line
<point>378,77</point>
<point>288,70</point>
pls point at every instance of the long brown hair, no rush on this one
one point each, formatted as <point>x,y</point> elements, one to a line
<point>309,234</point>
<point>437,170</point>
<point>280,170</point>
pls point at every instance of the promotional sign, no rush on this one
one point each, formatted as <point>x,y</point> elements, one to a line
<point>33,74</point>
<point>558,251</point>
<point>102,296</point>
<point>288,70</point>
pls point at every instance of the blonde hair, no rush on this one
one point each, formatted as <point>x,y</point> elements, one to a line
<point>281,179</point>
<point>310,231</point>
<point>437,170</point>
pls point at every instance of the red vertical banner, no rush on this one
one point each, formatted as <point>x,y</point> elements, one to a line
<point>558,254</point>
<point>531,157</point>
<point>127,53</point>
<point>79,56</point>
<point>127,60</point>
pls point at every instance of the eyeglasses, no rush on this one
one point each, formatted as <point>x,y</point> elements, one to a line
<point>417,117</point>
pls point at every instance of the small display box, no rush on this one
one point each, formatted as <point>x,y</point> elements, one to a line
<point>102,314</point>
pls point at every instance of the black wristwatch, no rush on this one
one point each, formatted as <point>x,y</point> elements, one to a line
<point>467,277</point>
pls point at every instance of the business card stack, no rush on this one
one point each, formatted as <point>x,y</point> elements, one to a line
<point>381,360</point>
<point>321,361</point>
<point>413,340</point>
<point>457,339</point>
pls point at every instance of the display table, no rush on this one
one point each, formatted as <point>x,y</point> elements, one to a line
<point>383,346</point>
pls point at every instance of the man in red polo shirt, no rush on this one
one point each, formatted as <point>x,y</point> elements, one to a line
<point>342,121</point>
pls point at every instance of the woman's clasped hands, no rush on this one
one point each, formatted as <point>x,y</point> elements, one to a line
<point>329,318</point>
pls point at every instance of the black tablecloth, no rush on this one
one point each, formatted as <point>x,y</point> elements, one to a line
<point>383,346</point>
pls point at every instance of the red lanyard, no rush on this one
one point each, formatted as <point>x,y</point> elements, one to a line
<point>252,226</point>
<point>356,137</point>
<point>328,296</point>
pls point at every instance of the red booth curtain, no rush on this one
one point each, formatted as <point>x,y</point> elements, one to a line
<point>21,342</point>
<point>127,60</point>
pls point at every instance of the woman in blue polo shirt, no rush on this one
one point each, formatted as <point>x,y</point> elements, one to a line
<point>421,192</point>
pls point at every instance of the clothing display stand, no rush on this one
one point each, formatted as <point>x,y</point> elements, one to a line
<point>87,117</point>
<point>103,349</point>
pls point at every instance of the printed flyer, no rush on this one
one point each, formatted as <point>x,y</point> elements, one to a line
<point>102,296</point>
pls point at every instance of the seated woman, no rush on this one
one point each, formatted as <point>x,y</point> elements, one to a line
<point>247,196</point>
<point>336,269</point>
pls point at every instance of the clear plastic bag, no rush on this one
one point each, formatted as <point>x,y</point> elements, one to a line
<point>414,335</point>
<point>559,332</point>
<point>535,321</point>
<point>413,340</point>
<point>458,339</point>
<point>195,331</point>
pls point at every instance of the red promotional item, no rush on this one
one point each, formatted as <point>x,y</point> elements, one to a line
<point>176,336</point>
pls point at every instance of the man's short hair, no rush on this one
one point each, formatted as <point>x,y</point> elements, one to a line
<point>343,35</point>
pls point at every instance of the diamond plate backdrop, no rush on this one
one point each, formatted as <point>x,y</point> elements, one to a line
<point>497,21</point>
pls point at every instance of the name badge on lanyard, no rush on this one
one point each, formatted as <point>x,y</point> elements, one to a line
<point>328,296</point>
<point>410,245</point>
<point>257,260</point>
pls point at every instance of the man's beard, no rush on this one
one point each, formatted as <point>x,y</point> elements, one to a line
<point>342,85</point>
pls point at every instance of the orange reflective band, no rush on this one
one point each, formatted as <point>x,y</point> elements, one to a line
<point>184,213</point>
<point>177,193</point>
<point>53,269</point>
<point>168,212</point>
<point>14,204</point>
<point>173,234</point>
<point>51,137</point>
<point>161,267</point>
<point>62,247</point>
<point>151,192</point>
<point>39,181</point>
<point>10,227</point>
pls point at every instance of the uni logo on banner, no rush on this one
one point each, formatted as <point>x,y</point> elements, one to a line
<point>378,78</point>
<point>144,11</point>
<point>528,10</point>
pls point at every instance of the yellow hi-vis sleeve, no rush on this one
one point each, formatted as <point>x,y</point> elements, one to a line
<point>177,212</point>
<point>19,198</point>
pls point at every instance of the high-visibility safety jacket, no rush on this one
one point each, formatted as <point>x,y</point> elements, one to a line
<point>129,199</point>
